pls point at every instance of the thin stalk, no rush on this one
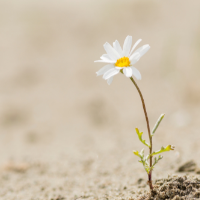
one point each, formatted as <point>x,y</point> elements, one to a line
<point>149,133</point>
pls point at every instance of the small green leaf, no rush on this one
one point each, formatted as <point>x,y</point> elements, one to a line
<point>140,137</point>
<point>143,160</point>
<point>156,161</point>
<point>142,152</point>
<point>167,148</point>
<point>157,124</point>
<point>136,153</point>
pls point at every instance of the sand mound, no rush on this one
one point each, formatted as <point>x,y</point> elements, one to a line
<point>175,188</point>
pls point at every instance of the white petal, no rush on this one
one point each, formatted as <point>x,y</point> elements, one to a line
<point>109,81</point>
<point>134,58</point>
<point>138,41</point>
<point>142,50</point>
<point>127,45</point>
<point>127,71</point>
<point>136,73</point>
<point>110,73</point>
<point>106,57</point>
<point>119,67</point>
<point>118,48</point>
<point>105,61</point>
<point>111,51</point>
<point>104,69</point>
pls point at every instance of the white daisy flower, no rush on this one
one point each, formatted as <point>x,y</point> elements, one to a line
<point>118,59</point>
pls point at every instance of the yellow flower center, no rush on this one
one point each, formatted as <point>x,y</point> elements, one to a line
<point>123,62</point>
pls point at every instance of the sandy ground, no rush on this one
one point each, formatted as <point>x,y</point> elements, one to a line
<point>66,134</point>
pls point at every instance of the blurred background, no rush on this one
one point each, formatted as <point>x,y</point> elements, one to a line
<point>64,131</point>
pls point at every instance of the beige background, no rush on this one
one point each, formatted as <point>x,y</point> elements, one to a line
<point>64,131</point>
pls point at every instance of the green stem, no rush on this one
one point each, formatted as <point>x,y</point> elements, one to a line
<point>149,133</point>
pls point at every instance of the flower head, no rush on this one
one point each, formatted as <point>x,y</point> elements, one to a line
<point>118,59</point>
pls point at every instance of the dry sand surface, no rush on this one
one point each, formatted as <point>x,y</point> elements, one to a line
<point>66,134</point>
